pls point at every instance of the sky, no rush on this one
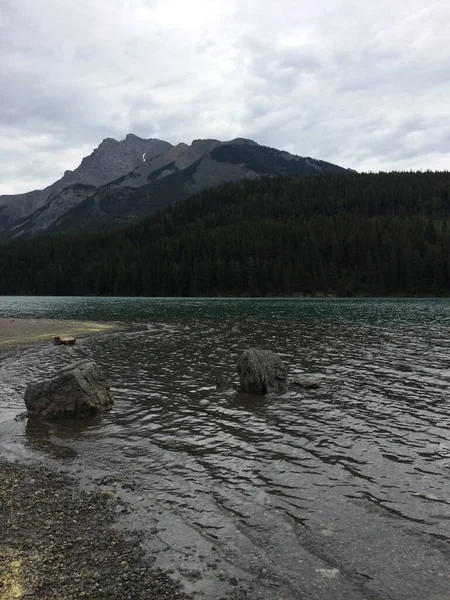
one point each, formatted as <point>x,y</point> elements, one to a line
<point>365,85</point>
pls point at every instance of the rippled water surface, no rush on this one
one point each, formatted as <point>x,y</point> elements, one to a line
<point>341,492</point>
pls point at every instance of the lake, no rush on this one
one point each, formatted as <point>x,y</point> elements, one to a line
<point>340,492</point>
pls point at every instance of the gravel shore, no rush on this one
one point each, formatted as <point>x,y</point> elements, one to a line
<point>57,542</point>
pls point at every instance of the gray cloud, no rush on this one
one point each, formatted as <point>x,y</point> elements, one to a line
<point>363,85</point>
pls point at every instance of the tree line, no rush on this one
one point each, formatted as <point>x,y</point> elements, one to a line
<point>343,234</point>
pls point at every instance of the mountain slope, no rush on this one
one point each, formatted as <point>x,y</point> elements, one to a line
<point>109,161</point>
<point>181,172</point>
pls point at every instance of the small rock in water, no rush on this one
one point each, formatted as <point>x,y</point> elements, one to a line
<point>262,371</point>
<point>78,391</point>
<point>224,383</point>
<point>307,384</point>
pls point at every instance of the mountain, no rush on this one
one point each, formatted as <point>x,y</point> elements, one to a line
<point>33,211</point>
<point>343,234</point>
<point>121,182</point>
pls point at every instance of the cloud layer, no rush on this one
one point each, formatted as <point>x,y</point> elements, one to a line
<point>364,85</point>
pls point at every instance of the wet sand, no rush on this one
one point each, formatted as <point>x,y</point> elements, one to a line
<point>23,332</point>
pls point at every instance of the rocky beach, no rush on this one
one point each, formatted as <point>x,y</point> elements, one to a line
<point>57,542</point>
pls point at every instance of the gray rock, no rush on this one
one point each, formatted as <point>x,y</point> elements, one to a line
<point>78,391</point>
<point>307,384</point>
<point>261,371</point>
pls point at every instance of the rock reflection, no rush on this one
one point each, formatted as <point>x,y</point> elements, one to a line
<point>45,438</point>
<point>249,401</point>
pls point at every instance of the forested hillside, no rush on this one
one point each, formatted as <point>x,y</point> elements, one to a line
<point>348,234</point>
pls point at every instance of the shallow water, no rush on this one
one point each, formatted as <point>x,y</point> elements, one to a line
<point>341,492</point>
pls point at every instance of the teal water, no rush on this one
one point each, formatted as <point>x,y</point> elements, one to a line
<point>340,492</point>
<point>417,311</point>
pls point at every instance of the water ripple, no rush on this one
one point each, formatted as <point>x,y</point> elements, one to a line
<point>320,475</point>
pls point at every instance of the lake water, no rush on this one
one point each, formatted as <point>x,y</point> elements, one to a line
<point>341,492</point>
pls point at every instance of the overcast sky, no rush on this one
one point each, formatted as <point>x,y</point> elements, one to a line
<point>361,84</point>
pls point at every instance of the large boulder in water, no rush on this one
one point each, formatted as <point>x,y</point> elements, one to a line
<point>78,391</point>
<point>261,371</point>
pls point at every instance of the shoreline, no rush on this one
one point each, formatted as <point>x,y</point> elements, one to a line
<point>60,543</point>
<point>23,332</point>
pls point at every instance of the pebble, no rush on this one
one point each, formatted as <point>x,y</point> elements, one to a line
<point>75,558</point>
<point>66,548</point>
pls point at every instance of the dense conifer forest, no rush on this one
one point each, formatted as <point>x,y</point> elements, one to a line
<point>351,234</point>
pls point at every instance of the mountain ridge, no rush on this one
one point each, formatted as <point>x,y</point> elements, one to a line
<point>122,181</point>
<point>106,162</point>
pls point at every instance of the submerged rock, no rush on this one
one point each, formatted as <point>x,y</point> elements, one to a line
<point>261,371</point>
<point>307,384</point>
<point>224,383</point>
<point>78,391</point>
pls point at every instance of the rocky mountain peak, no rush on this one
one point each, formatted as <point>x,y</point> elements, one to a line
<point>107,142</point>
<point>112,159</point>
<point>204,144</point>
<point>240,141</point>
<point>131,137</point>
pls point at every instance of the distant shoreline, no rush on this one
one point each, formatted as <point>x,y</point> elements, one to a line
<point>298,295</point>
